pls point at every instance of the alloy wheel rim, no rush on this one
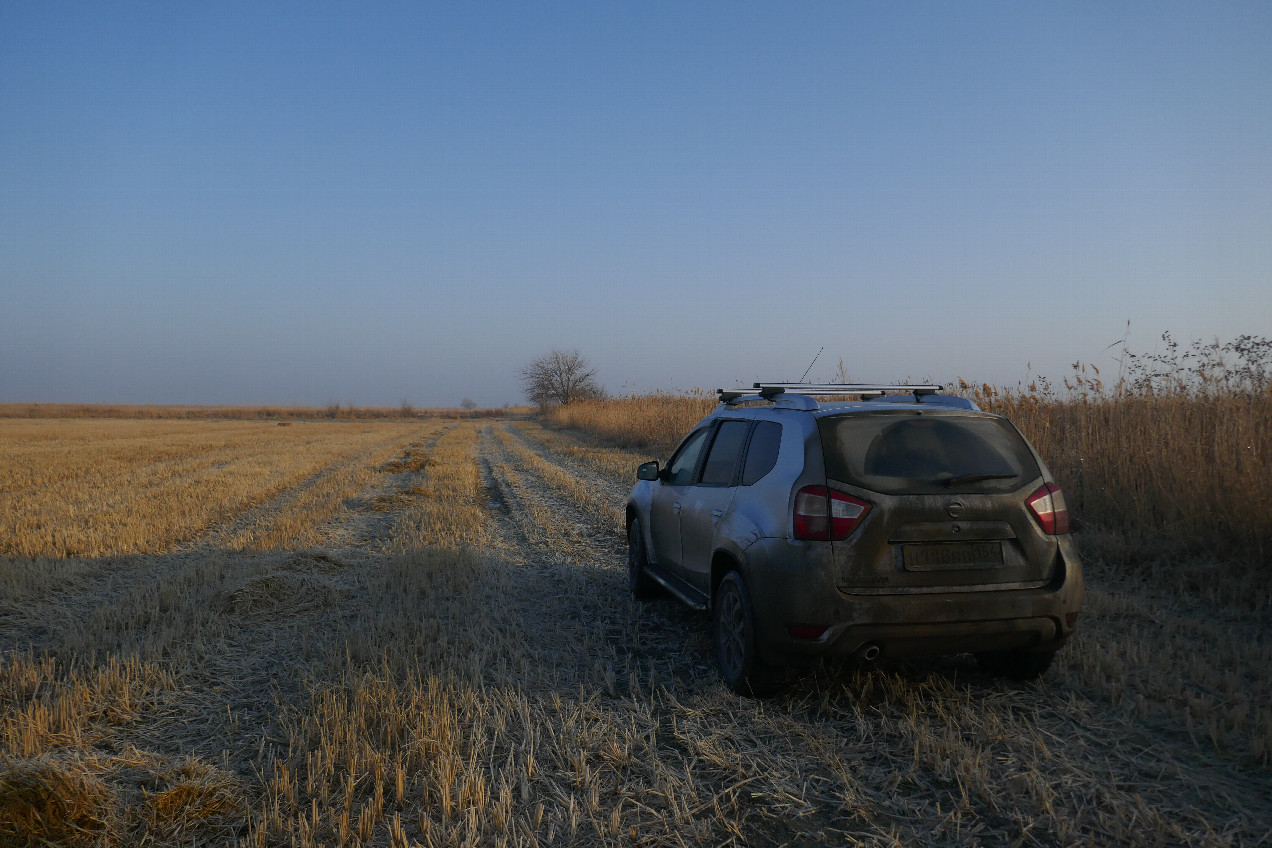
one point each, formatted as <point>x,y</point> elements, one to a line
<point>731,632</point>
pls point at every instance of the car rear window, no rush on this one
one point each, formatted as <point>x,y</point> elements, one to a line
<point>924,453</point>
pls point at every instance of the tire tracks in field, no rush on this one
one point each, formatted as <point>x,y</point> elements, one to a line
<point>240,531</point>
<point>557,576</point>
<point>613,490</point>
<point>584,489</point>
<point>370,520</point>
<point>536,527</point>
<point>582,558</point>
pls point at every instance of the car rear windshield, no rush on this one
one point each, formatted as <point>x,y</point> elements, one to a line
<point>906,452</point>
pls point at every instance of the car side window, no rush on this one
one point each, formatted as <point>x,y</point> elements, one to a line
<point>680,469</point>
<point>761,455</point>
<point>726,450</point>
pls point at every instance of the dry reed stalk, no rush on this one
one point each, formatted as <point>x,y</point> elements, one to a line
<point>655,422</point>
<point>1177,472</point>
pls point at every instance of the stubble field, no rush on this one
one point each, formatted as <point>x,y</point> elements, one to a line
<point>400,633</point>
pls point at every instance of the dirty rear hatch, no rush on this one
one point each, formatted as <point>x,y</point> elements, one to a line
<point>948,491</point>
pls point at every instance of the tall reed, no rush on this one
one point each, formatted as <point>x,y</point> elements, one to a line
<point>655,422</point>
<point>1174,470</point>
<point>1175,457</point>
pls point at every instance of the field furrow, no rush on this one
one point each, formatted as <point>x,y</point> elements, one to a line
<point>445,511</point>
<point>602,494</point>
<point>553,510</point>
<point>612,468</point>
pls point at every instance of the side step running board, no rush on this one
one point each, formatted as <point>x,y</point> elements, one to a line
<point>682,590</point>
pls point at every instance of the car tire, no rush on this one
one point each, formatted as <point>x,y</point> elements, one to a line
<point>1015,665</point>
<point>737,655</point>
<point>642,585</point>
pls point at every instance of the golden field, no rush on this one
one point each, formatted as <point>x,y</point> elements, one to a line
<point>102,487</point>
<point>417,632</point>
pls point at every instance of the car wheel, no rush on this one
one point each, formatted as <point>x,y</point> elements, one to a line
<point>1016,665</point>
<point>642,585</point>
<point>736,654</point>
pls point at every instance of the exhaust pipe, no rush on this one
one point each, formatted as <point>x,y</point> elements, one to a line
<point>868,652</point>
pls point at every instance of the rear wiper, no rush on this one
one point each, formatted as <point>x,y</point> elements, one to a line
<point>974,478</point>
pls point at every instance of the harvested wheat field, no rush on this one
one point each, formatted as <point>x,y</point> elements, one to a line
<point>401,633</point>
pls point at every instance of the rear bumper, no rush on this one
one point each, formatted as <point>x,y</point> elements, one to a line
<point>955,637</point>
<point>792,584</point>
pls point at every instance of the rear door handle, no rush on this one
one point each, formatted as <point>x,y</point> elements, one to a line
<point>716,515</point>
<point>675,507</point>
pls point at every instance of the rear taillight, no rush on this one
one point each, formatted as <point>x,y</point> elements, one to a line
<point>822,514</point>
<point>1049,508</point>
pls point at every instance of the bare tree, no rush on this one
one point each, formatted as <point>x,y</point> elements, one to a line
<point>559,377</point>
<point>468,403</point>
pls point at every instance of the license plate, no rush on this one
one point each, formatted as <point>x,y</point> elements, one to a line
<point>951,556</point>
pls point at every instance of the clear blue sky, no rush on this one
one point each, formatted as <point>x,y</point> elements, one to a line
<point>370,203</point>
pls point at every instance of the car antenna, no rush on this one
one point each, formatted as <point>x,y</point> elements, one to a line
<point>811,364</point>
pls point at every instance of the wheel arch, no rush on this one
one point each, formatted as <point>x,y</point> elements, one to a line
<point>722,562</point>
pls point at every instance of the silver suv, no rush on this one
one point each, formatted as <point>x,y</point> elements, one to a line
<point>870,525</point>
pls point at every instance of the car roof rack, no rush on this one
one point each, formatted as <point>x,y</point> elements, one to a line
<point>864,389</point>
<point>772,391</point>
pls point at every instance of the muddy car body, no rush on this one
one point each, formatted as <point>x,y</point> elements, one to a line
<point>882,525</point>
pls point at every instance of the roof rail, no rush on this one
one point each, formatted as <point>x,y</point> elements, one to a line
<point>775,391</point>
<point>872,389</point>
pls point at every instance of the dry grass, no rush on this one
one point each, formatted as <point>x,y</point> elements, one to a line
<point>654,422</point>
<point>592,457</point>
<point>300,520</point>
<point>584,492</point>
<point>1172,472</point>
<point>98,488</point>
<point>447,510</point>
<point>57,786</point>
<point>474,673</point>
<point>1177,663</point>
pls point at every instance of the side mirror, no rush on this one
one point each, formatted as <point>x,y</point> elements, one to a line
<point>648,471</point>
